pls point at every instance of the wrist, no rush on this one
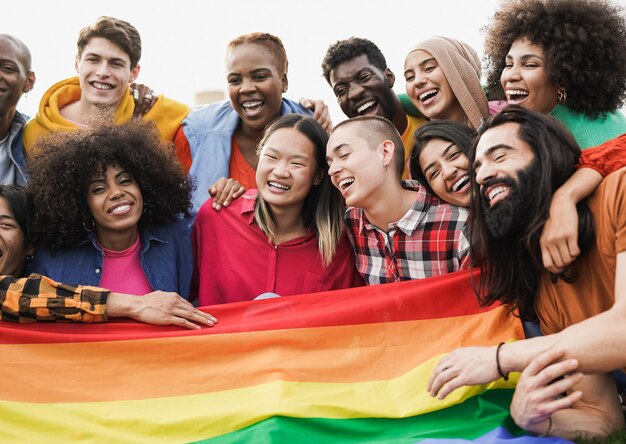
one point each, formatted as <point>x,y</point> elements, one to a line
<point>507,360</point>
<point>564,195</point>
<point>119,305</point>
<point>547,427</point>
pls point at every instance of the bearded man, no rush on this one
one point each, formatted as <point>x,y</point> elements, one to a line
<point>518,162</point>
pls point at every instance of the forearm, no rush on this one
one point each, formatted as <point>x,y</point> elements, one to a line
<point>38,298</point>
<point>579,186</point>
<point>597,413</point>
<point>573,423</point>
<point>597,342</point>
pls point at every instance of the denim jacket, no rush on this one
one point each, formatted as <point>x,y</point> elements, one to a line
<point>166,259</point>
<point>209,129</point>
<point>16,153</point>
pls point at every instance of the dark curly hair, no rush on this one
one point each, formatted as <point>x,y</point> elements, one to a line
<point>344,50</point>
<point>66,162</point>
<point>585,45</point>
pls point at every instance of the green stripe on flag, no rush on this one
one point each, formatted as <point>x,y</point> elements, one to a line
<point>470,419</point>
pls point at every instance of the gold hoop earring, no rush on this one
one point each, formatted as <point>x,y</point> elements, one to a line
<point>91,228</point>
<point>561,95</point>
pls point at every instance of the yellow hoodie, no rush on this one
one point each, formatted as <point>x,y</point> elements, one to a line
<point>166,114</point>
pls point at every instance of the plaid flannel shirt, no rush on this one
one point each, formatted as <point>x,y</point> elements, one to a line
<point>429,240</point>
<point>38,298</point>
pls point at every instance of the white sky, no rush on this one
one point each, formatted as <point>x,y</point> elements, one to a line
<point>184,41</point>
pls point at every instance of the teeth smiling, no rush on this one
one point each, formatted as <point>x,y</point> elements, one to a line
<point>280,186</point>
<point>517,92</point>
<point>120,209</point>
<point>103,86</point>
<point>495,191</point>
<point>428,94</point>
<point>365,106</point>
<point>252,104</point>
<point>460,183</point>
<point>345,183</point>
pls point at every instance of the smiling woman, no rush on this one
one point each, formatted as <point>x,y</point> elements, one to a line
<point>439,159</point>
<point>566,58</point>
<point>107,202</point>
<point>443,81</point>
<point>286,238</point>
<point>221,138</point>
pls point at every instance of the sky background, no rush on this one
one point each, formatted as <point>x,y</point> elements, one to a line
<point>184,42</point>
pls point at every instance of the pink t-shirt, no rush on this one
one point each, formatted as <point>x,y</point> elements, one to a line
<point>122,272</point>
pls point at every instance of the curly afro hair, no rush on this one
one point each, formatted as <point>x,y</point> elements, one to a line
<point>345,50</point>
<point>584,42</point>
<point>66,162</point>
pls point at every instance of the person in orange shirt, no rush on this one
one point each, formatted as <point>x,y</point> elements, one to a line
<point>519,161</point>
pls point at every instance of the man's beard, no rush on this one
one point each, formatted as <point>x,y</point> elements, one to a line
<point>511,214</point>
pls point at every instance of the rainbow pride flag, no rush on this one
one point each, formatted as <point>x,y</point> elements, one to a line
<point>348,366</point>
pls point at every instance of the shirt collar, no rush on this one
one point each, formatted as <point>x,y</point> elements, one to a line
<point>248,200</point>
<point>247,207</point>
<point>412,218</point>
<point>146,234</point>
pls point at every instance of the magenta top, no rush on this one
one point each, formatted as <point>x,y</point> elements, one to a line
<point>122,271</point>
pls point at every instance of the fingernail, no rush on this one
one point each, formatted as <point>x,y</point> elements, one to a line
<point>217,206</point>
<point>226,203</point>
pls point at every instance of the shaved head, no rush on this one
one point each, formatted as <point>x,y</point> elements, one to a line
<point>376,130</point>
<point>21,49</point>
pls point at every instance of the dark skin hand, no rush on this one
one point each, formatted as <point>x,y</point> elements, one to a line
<point>320,112</point>
<point>224,191</point>
<point>145,98</point>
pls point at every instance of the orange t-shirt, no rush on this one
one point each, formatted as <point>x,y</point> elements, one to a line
<point>239,168</point>
<point>561,305</point>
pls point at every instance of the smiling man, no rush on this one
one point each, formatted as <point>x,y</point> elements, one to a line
<point>357,71</point>
<point>107,63</point>
<point>520,160</point>
<point>16,78</point>
<point>398,230</point>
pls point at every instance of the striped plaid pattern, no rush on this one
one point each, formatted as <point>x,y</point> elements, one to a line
<point>429,240</point>
<point>38,298</point>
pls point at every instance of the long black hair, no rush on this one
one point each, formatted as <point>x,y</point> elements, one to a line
<point>452,131</point>
<point>511,266</point>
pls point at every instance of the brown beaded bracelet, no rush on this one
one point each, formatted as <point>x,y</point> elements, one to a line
<point>504,376</point>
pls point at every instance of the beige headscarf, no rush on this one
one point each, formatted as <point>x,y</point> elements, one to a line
<point>461,66</point>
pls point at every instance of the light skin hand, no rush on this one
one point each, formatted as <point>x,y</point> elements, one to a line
<point>224,191</point>
<point>464,366</point>
<point>320,113</point>
<point>145,98</point>
<point>559,237</point>
<point>158,308</point>
<point>534,399</point>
